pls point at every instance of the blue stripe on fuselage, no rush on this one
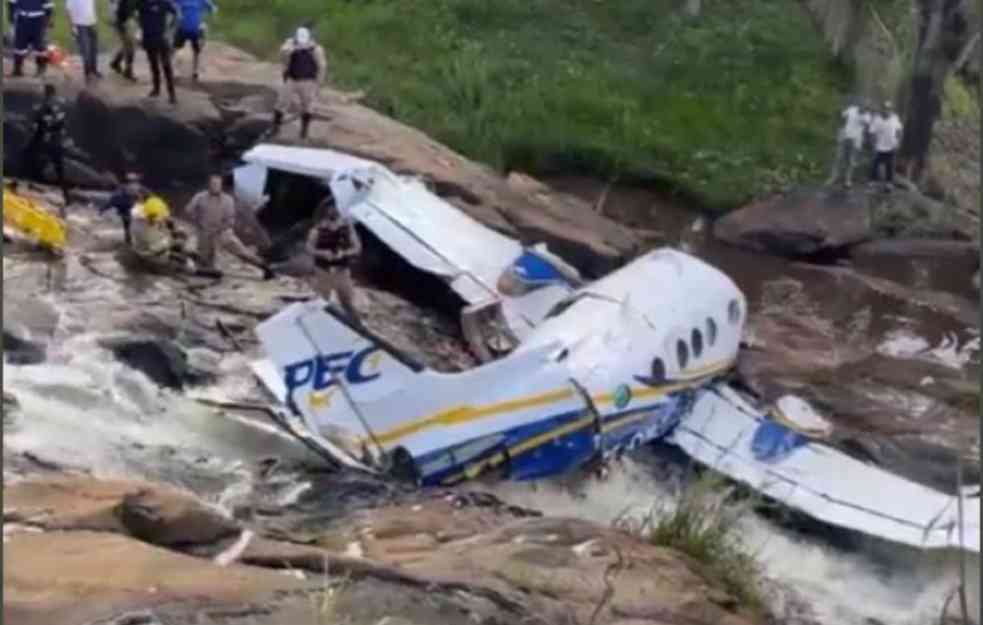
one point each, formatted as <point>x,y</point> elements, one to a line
<point>568,450</point>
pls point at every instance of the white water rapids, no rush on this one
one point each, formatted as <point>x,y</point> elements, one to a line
<point>84,410</point>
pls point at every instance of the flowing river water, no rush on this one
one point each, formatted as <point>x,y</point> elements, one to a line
<point>83,409</point>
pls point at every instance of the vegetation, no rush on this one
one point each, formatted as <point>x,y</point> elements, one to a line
<point>734,103</point>
<point>737,102</point>
<point>706,528</point>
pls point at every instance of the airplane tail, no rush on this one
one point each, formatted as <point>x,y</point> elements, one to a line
<point>329,371</point>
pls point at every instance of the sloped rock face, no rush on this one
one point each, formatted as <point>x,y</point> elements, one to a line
<point>440,560</point>
<point>115,127</point>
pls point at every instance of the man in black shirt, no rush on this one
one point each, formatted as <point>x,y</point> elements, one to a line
<point>156,42</point>
<point>335,245</point>
<point>47,143</point>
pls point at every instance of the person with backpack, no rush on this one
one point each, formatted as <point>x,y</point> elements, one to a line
<point>304,68</point>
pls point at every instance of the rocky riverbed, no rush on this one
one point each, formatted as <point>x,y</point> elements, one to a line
<point>123,489</point>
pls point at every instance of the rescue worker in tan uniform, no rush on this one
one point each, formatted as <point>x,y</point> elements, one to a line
<point>334,244</point>
<point>304,67</point>
<point>213,213</point>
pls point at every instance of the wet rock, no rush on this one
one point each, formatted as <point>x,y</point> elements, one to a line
<point>116,575</point>
<point>162,361</point>
<point>22,352</point>
<point>802,223</point>
<point>857,285</point>
<point>809,221</point>
<point>28,324</point>
<point>156,514</point>
<point>554,568</point>
<point>962,255</point>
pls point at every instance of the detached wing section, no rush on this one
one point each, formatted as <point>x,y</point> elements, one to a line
<point>434,236</point>
<point>728,435</point>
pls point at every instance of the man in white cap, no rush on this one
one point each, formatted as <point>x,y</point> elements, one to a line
<point>849,143</point>
<point>304,67</point>
<point>886,129</point>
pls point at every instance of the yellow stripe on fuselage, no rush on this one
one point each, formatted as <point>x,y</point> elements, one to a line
<point>466,413</point>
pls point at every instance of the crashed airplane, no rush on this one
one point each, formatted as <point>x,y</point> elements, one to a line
<point>572,372</point>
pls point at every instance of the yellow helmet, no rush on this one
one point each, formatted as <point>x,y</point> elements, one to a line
<point>155,209</point>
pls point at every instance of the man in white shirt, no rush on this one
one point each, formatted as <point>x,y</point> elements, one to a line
<point>82,15</point>
<point>887,129</point>
<point>849,143</point>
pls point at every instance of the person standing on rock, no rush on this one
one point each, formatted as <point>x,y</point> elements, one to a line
<point>191,29</point>
<point>334,244</point>
<point>47,144</point>
<point>82,15</point>
<point>304,67</point>
<point>887,129</point>
<point>31,20</point>
<point>849,143</point>
<point>157,20</point>
<point>122,63</point>
<point>213,213</point>
<point>123,199</point>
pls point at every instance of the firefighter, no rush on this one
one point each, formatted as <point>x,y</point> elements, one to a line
<point>47,144</point>
<point>31,19</point>
<point>153,239</point>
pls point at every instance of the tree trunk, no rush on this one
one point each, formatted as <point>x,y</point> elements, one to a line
<point>942,34</point>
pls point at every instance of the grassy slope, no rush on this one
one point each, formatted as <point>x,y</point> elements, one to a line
<point>734,104</point>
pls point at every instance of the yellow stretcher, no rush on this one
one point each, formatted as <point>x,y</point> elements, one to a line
<point>32,221</point>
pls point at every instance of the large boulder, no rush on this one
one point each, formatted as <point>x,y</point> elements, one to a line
<point>815,221</point>
<point>28,325</point>
<point>802,223</point>
<point>163,361</point>
<point>114,127</point>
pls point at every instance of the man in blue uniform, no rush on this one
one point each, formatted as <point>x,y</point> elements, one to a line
<point>155,26</point>
<point>47,143</point>
<point>123,199</point>
<point>191,29</point>
<point>31,18</point>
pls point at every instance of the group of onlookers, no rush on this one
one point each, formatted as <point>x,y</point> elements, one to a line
<point>881,128</point>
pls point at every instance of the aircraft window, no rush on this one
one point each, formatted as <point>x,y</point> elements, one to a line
<point>658,370</point>
<point>697,341</point>
<point>711,332</point>
<point>682,353</point>
<point>734,311</point>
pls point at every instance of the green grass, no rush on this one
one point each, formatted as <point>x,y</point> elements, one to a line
<point>721,109</point>
<point>707,529</point>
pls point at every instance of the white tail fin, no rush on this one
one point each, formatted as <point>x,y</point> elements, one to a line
<point>329,369</point>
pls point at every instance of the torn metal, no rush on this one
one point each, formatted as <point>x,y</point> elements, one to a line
<point>576,373</point>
